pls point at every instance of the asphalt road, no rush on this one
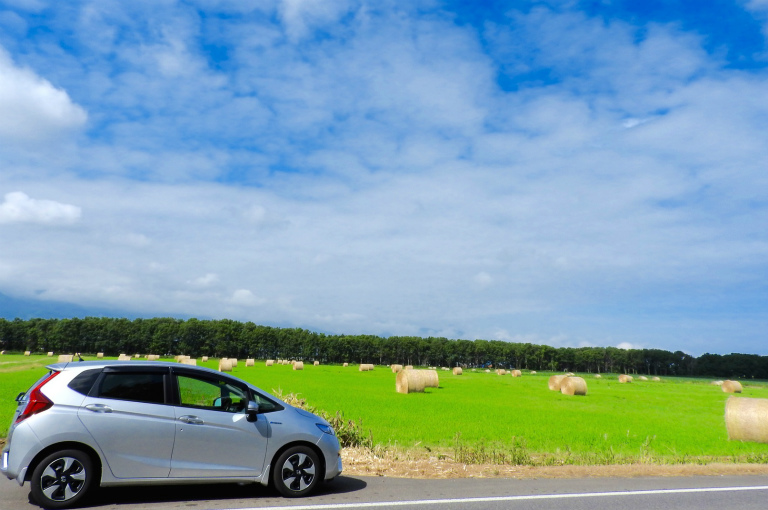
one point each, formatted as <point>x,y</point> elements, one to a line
<point>679,493</point>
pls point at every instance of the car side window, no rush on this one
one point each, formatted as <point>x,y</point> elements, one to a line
<point>83,382</point>
<point>213,394</point>
<point>139,387</point>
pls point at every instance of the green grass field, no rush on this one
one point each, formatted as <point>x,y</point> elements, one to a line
<point>677,420</point>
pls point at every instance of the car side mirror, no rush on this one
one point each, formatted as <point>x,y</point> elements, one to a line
<point>252,411</point>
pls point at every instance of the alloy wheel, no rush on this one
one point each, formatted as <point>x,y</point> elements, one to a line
<point>63,479</point>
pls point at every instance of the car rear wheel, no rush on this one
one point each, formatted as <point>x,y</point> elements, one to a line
<point>296,472</point>
<point>62,479</point>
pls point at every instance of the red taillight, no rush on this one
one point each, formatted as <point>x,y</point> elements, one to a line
<point>37,402</point>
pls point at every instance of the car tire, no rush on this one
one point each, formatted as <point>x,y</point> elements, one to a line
<point>62,479</point>
<point>297,472</point>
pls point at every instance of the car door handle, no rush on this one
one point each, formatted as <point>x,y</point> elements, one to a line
<point>99,408</point>
<point>192,420</point>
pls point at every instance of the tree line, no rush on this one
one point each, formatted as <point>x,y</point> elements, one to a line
<point>229,338</point>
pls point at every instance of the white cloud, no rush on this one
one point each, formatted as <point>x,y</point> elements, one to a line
<point>33,109</point>
<point>132,239</point>
<point>207,280</point>
<point>300,16</point>
<point>244,297</point>
<point>20,208</point>
<point>483,279</point>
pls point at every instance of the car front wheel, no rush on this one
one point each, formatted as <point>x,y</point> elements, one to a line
<point>296,472</point>
<point>62,479</point>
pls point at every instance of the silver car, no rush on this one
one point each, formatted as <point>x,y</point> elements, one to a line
<point>140,423</point>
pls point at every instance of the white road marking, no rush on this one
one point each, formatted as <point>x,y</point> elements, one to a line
<point>424,502</point>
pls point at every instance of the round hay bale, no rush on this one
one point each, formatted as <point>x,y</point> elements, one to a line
<point>123,357</point>
<point>234,362</point>
<point>598,376</point>
<point>501,371</point>
<point>555,381</point>
<point>408,367</point>
<point>204,359</point>
<point>189,361</point>
<point>27,353</point>
<point>298,365</point>
<point>50,353</point>
<point>345,365</point>
<point>316,363</point>
<point>533,372</point>
<point>570,374</point>
<point>717,383</point>
<point>270,362</point>
<point>487,371</point>
<point>99,355</point>
<point>457,371</point>
<point>396,368</point>
<point>409,381</point>
<point>624,378</point>
<point>643,378</point>
<point>656,379</point>
<point>431,380</point>
<point>517,373</point>
<point>731,387</point>
<point>250,362</point>
<point>65,358</point>
<point>746,419</point>
<point>225,365</point>
<point>365,367</point>
<point>573,386</point>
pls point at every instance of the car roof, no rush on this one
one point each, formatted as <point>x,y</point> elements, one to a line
<point>84,365</point>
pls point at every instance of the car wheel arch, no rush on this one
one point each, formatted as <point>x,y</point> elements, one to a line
<point>42,454</point>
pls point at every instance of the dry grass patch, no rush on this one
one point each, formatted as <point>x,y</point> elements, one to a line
<point>413,463</point>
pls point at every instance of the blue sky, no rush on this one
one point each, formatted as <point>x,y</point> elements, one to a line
<point>564,173</point>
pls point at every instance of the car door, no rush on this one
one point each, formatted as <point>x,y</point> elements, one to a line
<point>213,436</point>
<point>127,416</point>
